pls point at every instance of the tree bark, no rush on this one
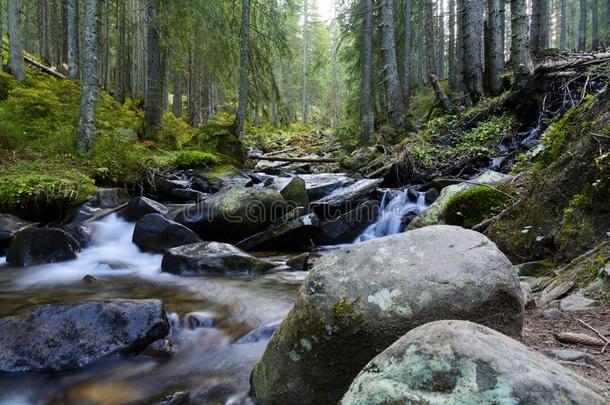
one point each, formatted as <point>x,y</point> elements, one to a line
<point>1,36</point>
<point>459,45</point>
<point>406,63</point>
<point>367,120</point>
<point>451,54</point>
<point>86,122</point>
<point>440,94</point>
<point>441,40</point>
<point>194,93</point>
<point>545,25</point>
<point>72,38</point>
<point>563,33</point>
<point>177,100</point>
<point>15,57</point>
<point>523,68</point>
<point>396,108</point>
<point>535,26</point>
<point>121,56</point>
<point>244,70</point>
<point>495,64</point>
<point>582,26</point>
<point>429,45</point>
<point>473,71</point>
<point>595,24</point>
<point>305,70</point>
<point>153,115</point>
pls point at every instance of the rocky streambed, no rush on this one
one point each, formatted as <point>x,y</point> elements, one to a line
<point>174,297</point>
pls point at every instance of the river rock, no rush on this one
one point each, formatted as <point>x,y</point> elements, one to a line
<point>212,258</point>
<point>140,206</point>
<point>82,232</point>
<point>526,293</point>
<point>360,299</point>
<point>574,356</point>
<point>321,185</point>
<point>295,193</point>
<point>196,320</point>
<point>9,226</point>
<point>300,262</point>
<point>460,362</point>
<point>224,177</point>
<point>107,198</point>
<point>52,338</point>
<point>32,246</point>
<point>345,200</point>
<point>576,302</point>
<point>155,233</point>
<point>347,227</point>
<point>554,291</point>
<point>434,214</point>
<point>234,214</point>
<point>262,333</point>
<point>294,233</point>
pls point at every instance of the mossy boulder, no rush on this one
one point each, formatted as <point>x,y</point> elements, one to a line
<point>474,205</point>
<point>234,214</point>
<point>224,143</point>
<point>359,300</point>
<point>435,214</point>
<point>224,176</point>
<point>458,362</point>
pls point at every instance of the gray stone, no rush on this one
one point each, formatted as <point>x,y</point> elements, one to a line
<point>9,226</point>
<point>140,206</point>
<point>155,233</point>
<point>576,302</point>
<point>347,227</point>
<point>234,214</point>
<point>554,291</point>
<point>530,269</point>
<point>320,185</point>
<point>212,258</point>
<point>431,196</point>
<point>574,356</point>
<point>162,348</point>
<point>552,314</point>
<point>82,232</point>
<point>32,246</point>
<point>295,233</point>
<point>358,300</point>
<point>224,177</point>
<point>196,320</point>
<point>345,199</point>
<point>295,193</point>
<point>526,292</point>
<point>458,362</point>
<point>107,198</point>
<point>52,338</point>
<point>262,333</point>
<point>300,262</point>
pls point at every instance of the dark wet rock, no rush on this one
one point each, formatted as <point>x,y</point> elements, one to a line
<point>165,184</point>
<point>347,227</point>
<point>52,338</point>
<point>300,262</point>
<point>196,320</point>
<point>155,233</point>
<point>93,281</point>
<point>531,269</point>
<point>431,196</point>
<point>294,233</point>
<point>187,195</point>
<point>259,334</point>
<point>140,206</point>
<point>162,348</point>
<point>9,226</point>
<point>234,214</point>
<point>321,185</point>
<point>212,258</point>
<point>295,193</point>
<point>465,363</point>
<point>576,302</point>
<point>412,194</point>
<point>107,198</point>
<point>81,232</point>
<point>345,199</point>
<point>82,213</point>
<point>32,246</point>
<point>224,177</point>
<point>574,356</point>
<point>357,301</point>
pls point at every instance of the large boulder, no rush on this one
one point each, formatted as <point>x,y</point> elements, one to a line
<point>32,246</point>
<point>359,300</point>
<point>347,227</point>
<point>345,199</point>
<point>293,233</point>
<point>9,226</point>
<point>295,193</point>
<point>234,214</point>
<point>140,206</point>
<point>51,338</point>
<point>435,213</point>
<point>222,177</point>
<point>458,362</point>
<point>155,233</point>
<point>212,258</point>
<point>321,185</point>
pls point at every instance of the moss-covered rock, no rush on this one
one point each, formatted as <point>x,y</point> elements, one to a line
<point>469,208</point>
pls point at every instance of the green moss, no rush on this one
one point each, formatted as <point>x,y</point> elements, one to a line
<point>195,159</point>
<point>6,84</point>
<point>576,233</point>
<point>474,205</point>
<point>344,310</point>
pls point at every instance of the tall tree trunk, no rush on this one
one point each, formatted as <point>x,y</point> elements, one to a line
<point>545,25</point>
<point>595,24</point>
<point>72,38</point>
<point>177,99</point>
<point>406,63</point>
<point>244,69</point>
<point>451,55</point>
<point>535,26</point>
<point>582,26</point>
<point>305,67</point>
<point>121,54</point>
<point>495,64</point>
<point>502,28</point>
<point>608,17</point>
<point>15,57</point>
<point>441,40</point>
<point>429,46</point>
<point>396,108</point>
<point>194,93</point>
<point>153,115</point>
<point>473,70</point>
<point>523,68</point>
<point>367,120</point>
<point>459,45</point>
<point>563,34</point>
<point>2,36</point>
<point>86,122</point>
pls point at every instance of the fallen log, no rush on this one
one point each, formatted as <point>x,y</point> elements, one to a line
<point>440,94</point>
<point>44,68</point>
<point>292,160</point>
<point>573,61</point>
<point>578,339</point>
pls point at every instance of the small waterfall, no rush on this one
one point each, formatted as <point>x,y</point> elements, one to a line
<point>394,208</point>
